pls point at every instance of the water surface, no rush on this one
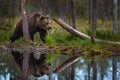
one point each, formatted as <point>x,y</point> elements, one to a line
<point>84,68</point>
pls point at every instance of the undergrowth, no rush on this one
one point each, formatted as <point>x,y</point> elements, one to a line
<point>62,37</point>
<point>106,35</point>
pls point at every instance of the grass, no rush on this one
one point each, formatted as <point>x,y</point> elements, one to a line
<point>60,36</point>
<point>106,35</point>
<point>4,35</point>
<point>72,41</point>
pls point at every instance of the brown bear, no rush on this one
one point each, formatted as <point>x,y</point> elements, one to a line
<point>36,67</point>
<point>37,23</point>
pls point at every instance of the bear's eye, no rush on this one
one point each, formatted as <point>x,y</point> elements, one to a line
<point>46,23</point>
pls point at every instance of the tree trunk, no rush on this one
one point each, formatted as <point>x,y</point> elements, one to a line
<point>26,35</point>
<point>94,17</point>
<point>9,12</point>
<point>101,73</point>
<point>114,66</point>
<point>72,71</point>
<point>73,14</point>
<point>90,13</point>
<point>25,65</point>
<point>102,16</point>
<point>89,71</point>
<point>115,17</point>
<point>43,9</point>
<point>80,34</point>
<point>94,64</point>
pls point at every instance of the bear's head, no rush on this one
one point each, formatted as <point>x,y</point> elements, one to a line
<point>44,23</point>
<point>37,66</point>
<point>43,69</point>
<point>40,21</point>
<point>39,70</point>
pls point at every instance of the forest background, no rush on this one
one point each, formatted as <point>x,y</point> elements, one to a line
<point>98,18</point>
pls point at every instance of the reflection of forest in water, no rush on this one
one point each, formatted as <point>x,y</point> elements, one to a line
<point>66,68</point>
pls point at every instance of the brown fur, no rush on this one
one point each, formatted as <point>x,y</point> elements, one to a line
<point>37,23</point>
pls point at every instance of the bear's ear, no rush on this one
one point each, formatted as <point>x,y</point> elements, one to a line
<point>37,15</point>
<point>48,16</point>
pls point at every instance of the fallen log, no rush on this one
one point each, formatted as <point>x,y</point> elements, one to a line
<point>80,34</point>
<point>71,30</point>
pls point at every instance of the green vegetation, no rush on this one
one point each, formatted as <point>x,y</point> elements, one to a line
<point>106,35</point>
<point>4,35</point>
<point>62,37</point>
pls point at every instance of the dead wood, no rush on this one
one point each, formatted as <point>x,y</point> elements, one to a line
<point>80,34</point>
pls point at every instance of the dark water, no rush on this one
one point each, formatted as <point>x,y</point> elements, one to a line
<point>74,68</point>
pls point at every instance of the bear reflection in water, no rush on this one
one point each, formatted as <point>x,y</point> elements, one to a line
<point>37,66</point>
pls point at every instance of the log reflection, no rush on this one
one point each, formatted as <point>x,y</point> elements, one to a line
<point>66,64</point>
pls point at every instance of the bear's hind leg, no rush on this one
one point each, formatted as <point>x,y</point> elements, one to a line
<point>14,37</point>
<point>17,33</point>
